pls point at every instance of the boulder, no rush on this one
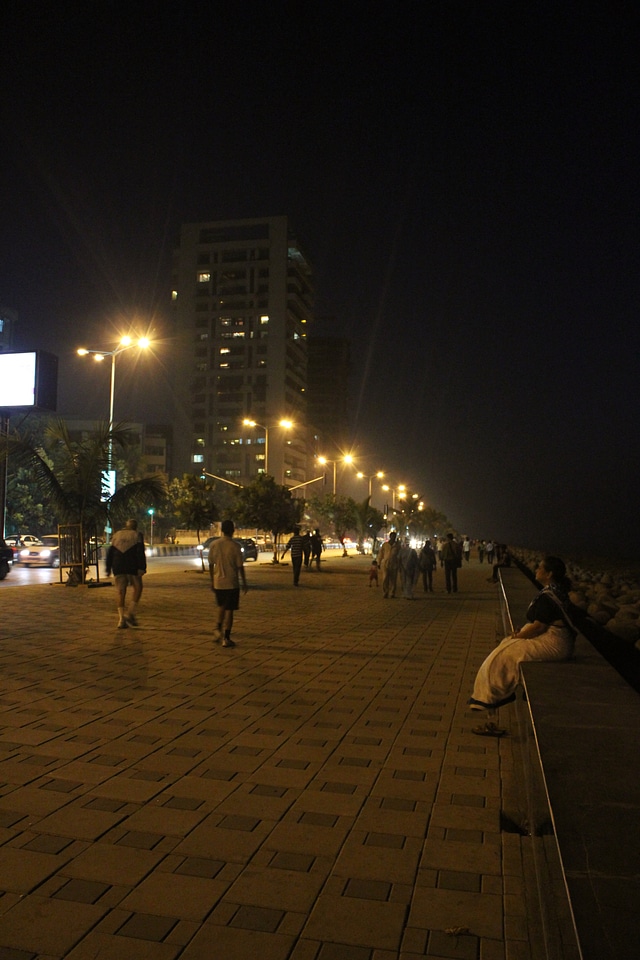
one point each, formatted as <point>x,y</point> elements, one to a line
<point>625,629</point>
<point>598,614</point>
<point>627,611</point>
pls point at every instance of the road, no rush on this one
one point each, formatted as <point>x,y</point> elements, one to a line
<point>19,575</point>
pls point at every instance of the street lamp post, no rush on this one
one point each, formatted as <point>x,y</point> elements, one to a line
<point>402,493</point>
<point>379,475</point>
<point>125,344</point>
<point>286,424</point>
<point>346,459</point>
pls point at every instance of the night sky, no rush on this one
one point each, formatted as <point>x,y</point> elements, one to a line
<point>463,176</point>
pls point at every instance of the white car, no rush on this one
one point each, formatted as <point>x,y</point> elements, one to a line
<point>18,543</point>
<point>45,553</point>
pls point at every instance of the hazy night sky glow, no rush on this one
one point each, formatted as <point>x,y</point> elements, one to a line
<point>463,177</point>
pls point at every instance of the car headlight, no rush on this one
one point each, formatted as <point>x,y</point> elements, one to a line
<point>45,553</point>
<point>24,553</point>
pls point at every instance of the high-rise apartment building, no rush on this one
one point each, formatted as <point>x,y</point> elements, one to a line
<point>243,306</point>
<point>329,369</point>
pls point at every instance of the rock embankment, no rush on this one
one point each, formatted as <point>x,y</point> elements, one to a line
<point>610,597</point>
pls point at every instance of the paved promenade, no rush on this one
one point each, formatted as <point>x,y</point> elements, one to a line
<point>315,793</point>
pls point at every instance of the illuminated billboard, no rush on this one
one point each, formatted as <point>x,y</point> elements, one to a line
<point>28,380</point>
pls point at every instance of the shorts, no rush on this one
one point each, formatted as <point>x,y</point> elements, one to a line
<point>228,599</point>
<point>125,579</point>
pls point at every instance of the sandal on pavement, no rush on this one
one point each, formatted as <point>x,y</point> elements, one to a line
<point>488,730</point>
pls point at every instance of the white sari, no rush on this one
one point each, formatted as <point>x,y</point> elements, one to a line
<point>499,675</point>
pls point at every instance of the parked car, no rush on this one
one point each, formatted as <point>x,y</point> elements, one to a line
<point>247,545</point>
<point>249,548</point>
<point>46,553</point>
<point>264,543</point>
<point>6,558</point>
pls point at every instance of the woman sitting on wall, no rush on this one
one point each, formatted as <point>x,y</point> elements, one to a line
<point>548,635</point>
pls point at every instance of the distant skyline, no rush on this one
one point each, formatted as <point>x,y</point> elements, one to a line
<point>462,176</point>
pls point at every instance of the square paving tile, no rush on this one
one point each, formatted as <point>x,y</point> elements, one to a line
<point>175,895</point>
<point>45,926</point>
<point>365,923</point>
<point>147,927</point>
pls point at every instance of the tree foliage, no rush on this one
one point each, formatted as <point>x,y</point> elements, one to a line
<point>341,512</point>
<point>192,502</point>
<point>267,505</point>
<point>68,474</point>
<point>410,517</point>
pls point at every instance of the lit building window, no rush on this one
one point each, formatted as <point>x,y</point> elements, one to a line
<point>264,320</point>
<point>204,276</point>
<point>198,458</point>
<point>174,294</point>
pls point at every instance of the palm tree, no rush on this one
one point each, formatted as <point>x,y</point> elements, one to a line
<point>71,473</point>
<point>369,522</point>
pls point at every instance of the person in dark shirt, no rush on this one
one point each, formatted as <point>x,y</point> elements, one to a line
<point>128,561</point>
<point>427,560</point>
<point>306,549</point>
<point>317,546</point>
<point>295,545</point>
<point>452,556</point>
<point>504,562</point>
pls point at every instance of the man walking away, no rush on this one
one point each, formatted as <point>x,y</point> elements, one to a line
<point>427,566</point>
<point>408,569</point>
<point>226,569</point>
<point>127,559</point>
<point>452,560</point>
<point>388,557</point>
<point>295,545</point>
<point>306,549</point>
<point>317,547</point>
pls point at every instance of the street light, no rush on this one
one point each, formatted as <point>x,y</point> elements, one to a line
<point>286,424</point>
<point>98,355</point>
<point>346,459</point>
<point>361,476</point>
<point>402,493</point>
